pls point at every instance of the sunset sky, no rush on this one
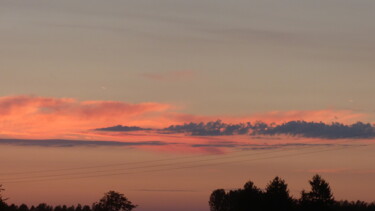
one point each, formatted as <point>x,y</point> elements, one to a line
<point>71,71</point>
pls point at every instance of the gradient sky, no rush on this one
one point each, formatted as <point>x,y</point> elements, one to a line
<point>214,57</point>
<point>68,66</point>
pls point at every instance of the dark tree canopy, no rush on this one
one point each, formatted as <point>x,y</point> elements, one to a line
<point>248,198</point>
<point>276,197</point>
<point>320,195</point>
<point>44,207</point>
<point>113,201</point>
<point>320,190</point>
<point>2,200</point>
<point>23,207</point>
<point>251,196</point>
<point>1,190</point>
<point>277,188</point>
<point>218,200</point>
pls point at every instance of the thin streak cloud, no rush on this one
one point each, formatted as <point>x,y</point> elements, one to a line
<point>76,143</point>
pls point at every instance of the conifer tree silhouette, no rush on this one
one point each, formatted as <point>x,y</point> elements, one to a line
<point>277,196</point>
<point>320,197</point>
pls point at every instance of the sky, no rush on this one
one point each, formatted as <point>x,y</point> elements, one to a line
<point>72,70</point>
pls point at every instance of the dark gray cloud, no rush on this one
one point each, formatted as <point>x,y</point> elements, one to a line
<point>120,128</point>
<point>75,143</point>
<point>258,129</point>
<point>293,128</point>
<point>321,130</point>
<point>216,128</point>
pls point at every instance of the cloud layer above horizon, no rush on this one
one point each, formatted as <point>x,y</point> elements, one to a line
<point>41,118</point>
<point>333,130</point>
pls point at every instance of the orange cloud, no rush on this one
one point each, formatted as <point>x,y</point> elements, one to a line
<point>43,117</point>
<point>50,117</point>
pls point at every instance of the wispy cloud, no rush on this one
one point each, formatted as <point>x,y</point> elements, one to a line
<point>75,143</point>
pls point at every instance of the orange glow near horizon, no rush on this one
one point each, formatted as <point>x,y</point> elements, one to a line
<point>42,117</point>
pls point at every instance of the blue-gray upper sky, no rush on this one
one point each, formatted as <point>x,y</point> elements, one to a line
<point>211,56</point>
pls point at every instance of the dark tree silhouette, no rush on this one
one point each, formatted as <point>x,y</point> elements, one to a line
<point>12,207</point>
<point>113,201</point>
<point>23,207</point>
<point>277,195</point>
<point>43,207</point>
<point>1,195</point>
<point>251,197</point>
<point>79,207</point>
<point>59,208</point>
<point>320,197</point>
<point>86,208</point>
<point>277,198</point>
<point>218,200</point>
<point>3,205</point>
<point>71,208</point>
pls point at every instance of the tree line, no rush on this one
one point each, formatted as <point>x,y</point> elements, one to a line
<point>111,201</point>
<point>276,197</point>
